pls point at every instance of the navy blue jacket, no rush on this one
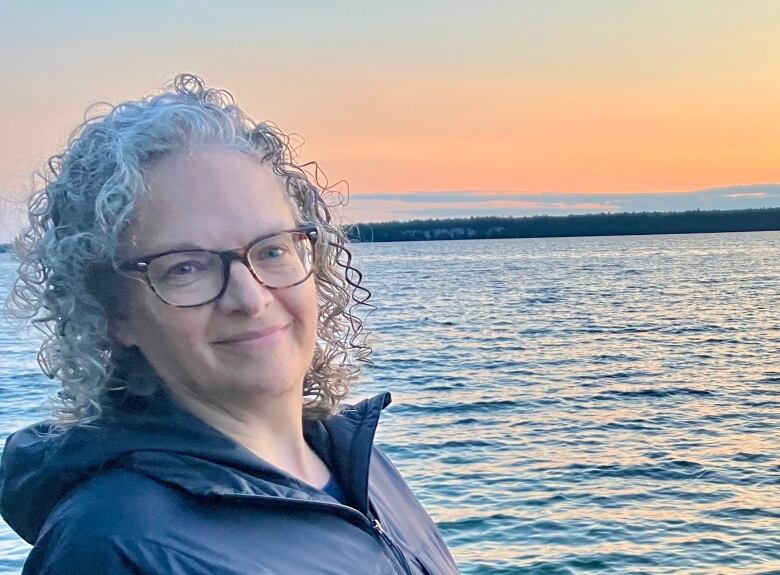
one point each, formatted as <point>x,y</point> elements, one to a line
<point>155,490</point>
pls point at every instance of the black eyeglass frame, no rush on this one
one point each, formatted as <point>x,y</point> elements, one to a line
<point>141,265</point>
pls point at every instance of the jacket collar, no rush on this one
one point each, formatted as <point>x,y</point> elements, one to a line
<point>344,442</point>
<point>348,453</point>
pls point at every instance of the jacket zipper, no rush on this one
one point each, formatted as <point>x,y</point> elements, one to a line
<point>373,524</point>
<point>391,544</point>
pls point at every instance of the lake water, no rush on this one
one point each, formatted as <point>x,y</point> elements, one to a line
<point>565,405</point>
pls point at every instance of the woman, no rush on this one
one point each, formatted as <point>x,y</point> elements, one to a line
<point>197,301</point>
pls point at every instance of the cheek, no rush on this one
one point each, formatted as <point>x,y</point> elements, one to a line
<point>157,326</point>
<point>303,306</point>
<point>185,331</point>
<point>312,306</point>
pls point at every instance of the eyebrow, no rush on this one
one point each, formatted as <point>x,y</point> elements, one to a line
<point>177,247</point>
<point>185,246</point>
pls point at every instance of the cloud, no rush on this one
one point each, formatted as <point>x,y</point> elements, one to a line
<point>747,195</point>
<point>382,206</point>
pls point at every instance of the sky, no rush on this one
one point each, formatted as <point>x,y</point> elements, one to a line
<point>433,108</point>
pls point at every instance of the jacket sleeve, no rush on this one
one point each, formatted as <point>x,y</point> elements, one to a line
<point>93,556</point>
<point>113,555</point>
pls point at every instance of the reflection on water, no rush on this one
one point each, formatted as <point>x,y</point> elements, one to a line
<point>579,405</point>
<point>568,405</point>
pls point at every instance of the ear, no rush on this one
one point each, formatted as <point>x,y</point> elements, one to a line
<point>122,331</point>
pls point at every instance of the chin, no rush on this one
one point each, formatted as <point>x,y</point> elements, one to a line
<point>266,382</point>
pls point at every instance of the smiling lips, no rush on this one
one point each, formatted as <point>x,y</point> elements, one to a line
<point>252,338</point>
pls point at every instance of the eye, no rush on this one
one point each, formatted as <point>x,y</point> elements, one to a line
<point>183,273</point>
<point>272,252</point>
<point>275,252</point>
<point>184,268</point>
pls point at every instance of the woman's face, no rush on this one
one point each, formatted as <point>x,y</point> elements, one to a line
<point>218,200</point>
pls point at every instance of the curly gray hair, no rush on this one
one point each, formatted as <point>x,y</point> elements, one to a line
<point>70,249</point>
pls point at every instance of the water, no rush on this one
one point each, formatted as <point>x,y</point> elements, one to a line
<point>567,405</point>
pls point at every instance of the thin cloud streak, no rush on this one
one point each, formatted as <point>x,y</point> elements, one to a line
<point>461,203</point>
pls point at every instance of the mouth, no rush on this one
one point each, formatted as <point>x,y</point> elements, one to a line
<point>254,337</point>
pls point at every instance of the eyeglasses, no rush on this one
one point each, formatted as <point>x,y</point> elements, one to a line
<point>191,278</point>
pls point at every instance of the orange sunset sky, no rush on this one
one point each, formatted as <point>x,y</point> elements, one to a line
<point>433,109</point>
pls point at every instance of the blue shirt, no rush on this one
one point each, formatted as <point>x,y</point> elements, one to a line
<point>333,489</point>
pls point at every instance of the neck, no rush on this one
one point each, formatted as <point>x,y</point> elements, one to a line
<point>270,427</point>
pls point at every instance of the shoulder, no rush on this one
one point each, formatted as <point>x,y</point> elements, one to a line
<point>116,501</point>
<point>405,517</point>
<point>112,523</point>
<point>390,490</point>
<point>384,471</point>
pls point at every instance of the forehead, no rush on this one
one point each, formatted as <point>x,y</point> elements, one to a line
<point>213,199</point>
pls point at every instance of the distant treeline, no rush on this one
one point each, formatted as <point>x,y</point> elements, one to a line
<point>622,224</point>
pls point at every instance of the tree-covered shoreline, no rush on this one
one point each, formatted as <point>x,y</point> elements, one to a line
<point>603,224</point>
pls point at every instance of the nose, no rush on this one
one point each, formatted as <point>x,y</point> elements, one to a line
<point>243,293</point>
